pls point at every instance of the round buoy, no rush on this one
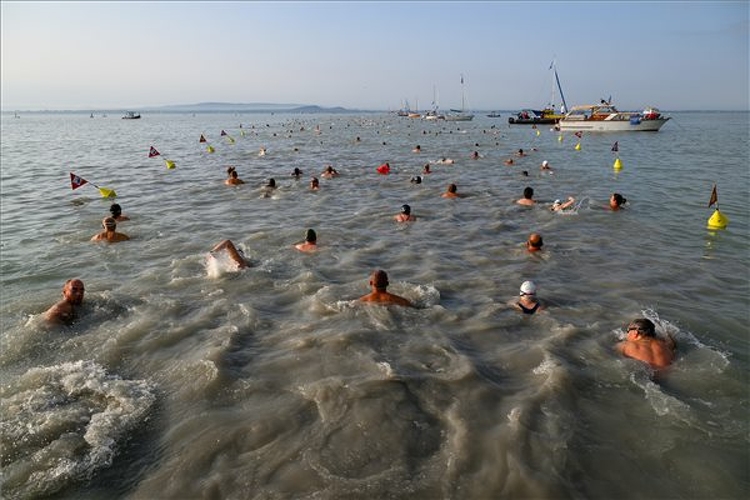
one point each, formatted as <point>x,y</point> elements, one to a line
<point>718,220</point>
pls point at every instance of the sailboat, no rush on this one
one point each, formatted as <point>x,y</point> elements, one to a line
<point>433,113</point>
<point>460,115</point>
<point>548,114</point>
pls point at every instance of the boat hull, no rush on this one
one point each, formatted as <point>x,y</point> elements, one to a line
<point>620,125</point>
<point>532,121</point>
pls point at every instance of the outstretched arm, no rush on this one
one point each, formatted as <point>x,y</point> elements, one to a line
<point>232,251</point>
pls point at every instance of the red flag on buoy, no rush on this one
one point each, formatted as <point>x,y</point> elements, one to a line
<point>714,199</point>
<point>223,133</point>
<point>76,182</point>
<point>202,139</point>
<point>153,152</point>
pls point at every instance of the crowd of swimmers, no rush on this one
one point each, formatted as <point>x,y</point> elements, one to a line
<point>640,342</point>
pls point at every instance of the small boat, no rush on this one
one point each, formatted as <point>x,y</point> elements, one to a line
<point>548,114</point>
<point>494,114</point>
<point>605,117</point>
<point>460,115</point>
<point>130,115</point>
<point>535,116</point>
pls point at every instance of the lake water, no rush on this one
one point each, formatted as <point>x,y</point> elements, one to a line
<point>181,381</point>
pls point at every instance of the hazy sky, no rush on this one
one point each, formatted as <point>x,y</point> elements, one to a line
<point>374,55</point>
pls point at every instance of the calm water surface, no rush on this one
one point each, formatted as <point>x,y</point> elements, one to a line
<point>181,380</point>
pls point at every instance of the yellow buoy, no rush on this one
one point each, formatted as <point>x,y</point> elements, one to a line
<point>210,149</point>
<point>718,220</point>
<point>617,165</point>
<point>578,146</point>
<point>559,138</point>
<point>169,163</point>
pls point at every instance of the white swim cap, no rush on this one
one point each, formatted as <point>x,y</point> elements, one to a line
<point>528,288</point>
<point>545,163</point>
<point>557,202</point>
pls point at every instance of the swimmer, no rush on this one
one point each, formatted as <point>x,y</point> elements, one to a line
<point>329,172</point>
<point>545,167</point>
<point>417,179</point>
<point>520,153</point>
<point>110,234</point>
<point>616,201</point>
<point>451,192</point>
<point>527,200</point>
<point>64,312</point>
<point>528,303</point>
<point>233,252</point>
<point>426,169</point>
<point>534,243</point>
<point>314,184</point>
<point>233,179</point>
<point>417,149</point>
<point>509,162</point>
<point>311,242</point>
<point>116,211</point>
<point>405,215</point>
<point>559,206</point>
<point>296,173</point>
<point>379,284</point>
<point>641,343</point>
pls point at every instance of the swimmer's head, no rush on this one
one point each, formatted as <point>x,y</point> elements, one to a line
<point>643,326</point>
<point>115,210</point>
<point>528,288</point>
<point>557,203</point>
<point>405,209</point>
<point>379,279</point>
<point>545,163</point>
<point>109,223</point>
<point>416,179</point>
<point>310,236</point>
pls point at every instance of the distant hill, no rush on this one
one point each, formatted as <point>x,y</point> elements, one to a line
<point>224,107</point>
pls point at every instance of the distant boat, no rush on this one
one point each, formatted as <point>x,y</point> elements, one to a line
<point>130,115</point>
<point>494,114</point>
<point>546,115</point>
<point>460,115</point>
<point>604,117</point>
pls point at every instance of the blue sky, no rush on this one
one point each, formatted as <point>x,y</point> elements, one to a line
<point>374,55</point>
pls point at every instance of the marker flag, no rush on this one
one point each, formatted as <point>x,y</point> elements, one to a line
<point>578,147</point>
<point>153,152</point>
<point>76,182</point>
<point>169,163</point>
<point>714,199</point>
<point>202,139</point>
<point>210,149</point>
<point>615,147</point>
<point>223,133</point>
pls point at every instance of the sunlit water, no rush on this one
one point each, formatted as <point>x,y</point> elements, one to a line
<point>182,380</point>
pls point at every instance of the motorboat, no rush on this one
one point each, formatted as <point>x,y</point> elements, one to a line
<point>130,115</point>
<point>605,117</point>
<point>535,116</point>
